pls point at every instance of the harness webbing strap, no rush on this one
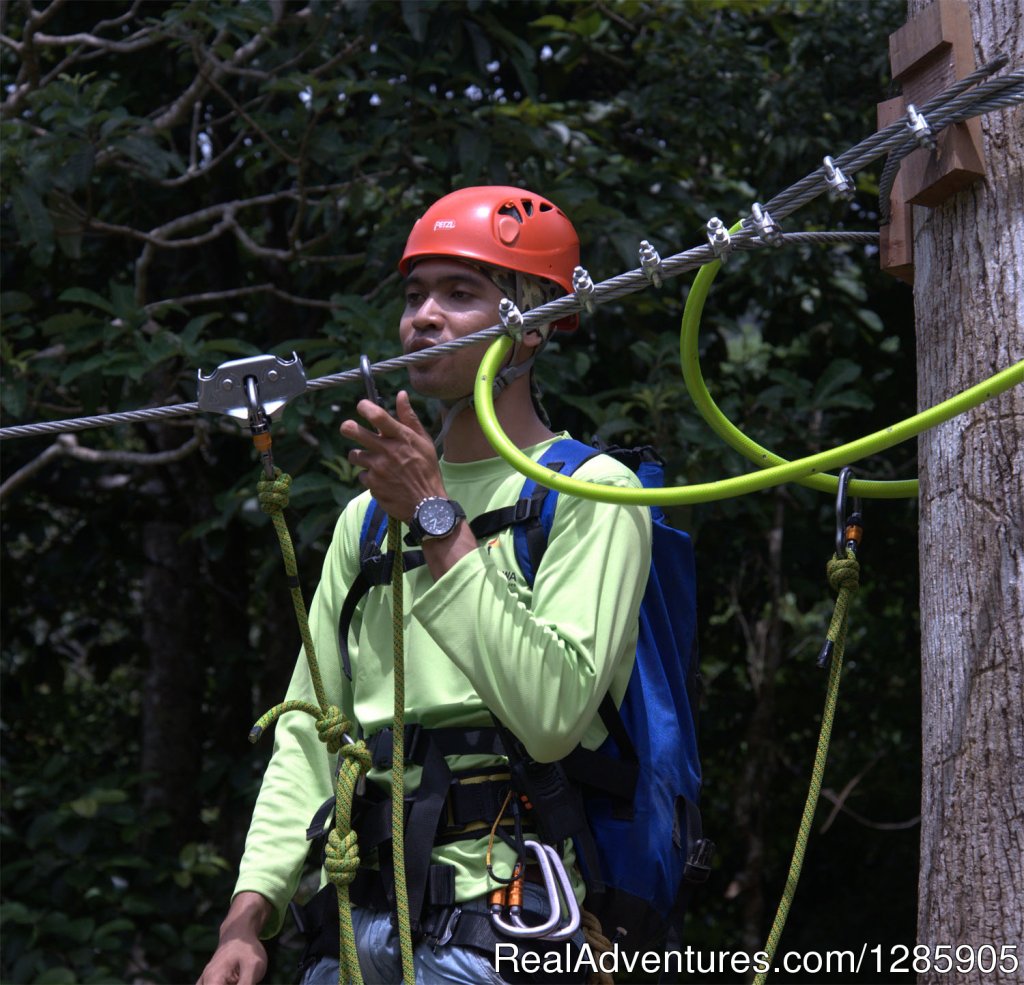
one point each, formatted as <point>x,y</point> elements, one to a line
<point>423,821</point>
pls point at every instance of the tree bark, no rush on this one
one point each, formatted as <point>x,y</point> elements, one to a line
<point>969,308</point>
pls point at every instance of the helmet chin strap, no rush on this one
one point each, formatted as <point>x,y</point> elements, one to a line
<point>508,375</point>
<point>528,292</point>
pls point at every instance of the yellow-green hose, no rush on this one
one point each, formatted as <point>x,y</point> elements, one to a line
<point>693,378</point>
<point>707,492</point>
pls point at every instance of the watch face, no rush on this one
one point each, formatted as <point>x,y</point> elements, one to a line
<point>436,517</point>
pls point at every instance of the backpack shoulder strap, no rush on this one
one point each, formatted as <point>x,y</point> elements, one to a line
<point>531,538</point>
<point>374,569</point>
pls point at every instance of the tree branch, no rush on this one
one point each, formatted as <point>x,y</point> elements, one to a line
<point>240,110</point>
<point>210,297</point>
<point>145,38</point>
<point>67,446</point>
<point>180,108</point>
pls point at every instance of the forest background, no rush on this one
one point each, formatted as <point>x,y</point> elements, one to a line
<point>193,182</point>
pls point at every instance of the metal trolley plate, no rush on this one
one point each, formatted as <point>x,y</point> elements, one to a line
<point>275,380</point>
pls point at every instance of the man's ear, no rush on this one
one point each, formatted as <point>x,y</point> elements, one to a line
<point>535,337</point>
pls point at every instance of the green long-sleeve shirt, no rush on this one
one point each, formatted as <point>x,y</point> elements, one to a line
<point>478,639</point>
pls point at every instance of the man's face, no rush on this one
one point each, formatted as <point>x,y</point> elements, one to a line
<point>445,300</point>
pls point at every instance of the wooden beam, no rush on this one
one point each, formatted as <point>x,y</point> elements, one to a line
<point>896,238</point>
<point>928,54</point>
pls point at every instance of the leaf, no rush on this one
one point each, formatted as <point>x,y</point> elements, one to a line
<point>836,376</point>
<point>415,14</point>
<point>111,928</point>
<point>56,976</point>
<point>85,806</point>
<point>871,319</point>
<point>85,296</point>
<point>15,302</point>
<point>34,223</point>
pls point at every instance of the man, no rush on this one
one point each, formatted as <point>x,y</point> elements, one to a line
<point>479,640</point>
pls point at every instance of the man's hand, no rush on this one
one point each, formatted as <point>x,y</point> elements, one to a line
<point>399,461</point>
<point>240,958</point>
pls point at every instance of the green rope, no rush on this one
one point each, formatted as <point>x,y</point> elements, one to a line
<point>398,752</point>
<point>341,856</point>
<point>342,852</point>
<point>843,576</point>
<point>273,499</point>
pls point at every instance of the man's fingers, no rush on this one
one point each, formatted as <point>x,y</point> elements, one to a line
<point>407,415</point>
<point>379,418</point>
<point>354,431</point>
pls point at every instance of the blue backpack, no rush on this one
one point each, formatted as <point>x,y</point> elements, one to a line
<point>640,789</point>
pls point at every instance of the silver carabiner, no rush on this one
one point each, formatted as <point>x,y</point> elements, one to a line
<point>569,928</point>
<point>515,926</point>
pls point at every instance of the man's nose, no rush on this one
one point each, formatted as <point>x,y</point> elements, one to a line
<point>428,313</point>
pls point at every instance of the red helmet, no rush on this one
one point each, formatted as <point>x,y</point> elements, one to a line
<point>499,225</point>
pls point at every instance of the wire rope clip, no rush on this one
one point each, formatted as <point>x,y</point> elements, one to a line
<point>766,227</point>
<point>918,126</point>
<point>583,288</point>
<point>719,238</point>
<point>839,185</point>
<point>511,318</point>
<point>650,263</point>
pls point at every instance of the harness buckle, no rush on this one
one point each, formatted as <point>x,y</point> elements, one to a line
<point>521,511</point>
<point>698,863</point>
<point>382,745</point>
<point>447,931</point>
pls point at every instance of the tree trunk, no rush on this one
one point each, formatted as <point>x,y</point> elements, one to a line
<point>969,307</point>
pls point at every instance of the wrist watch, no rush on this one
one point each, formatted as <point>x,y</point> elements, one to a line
<point>435,517</point>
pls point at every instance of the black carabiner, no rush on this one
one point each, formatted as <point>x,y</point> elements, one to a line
<point>368,381</point>
<point>849,527</point>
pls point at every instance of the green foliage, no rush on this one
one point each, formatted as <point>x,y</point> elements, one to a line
<point>213,180</point>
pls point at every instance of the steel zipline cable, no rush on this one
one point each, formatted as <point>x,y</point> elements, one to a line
<point>958,103</point>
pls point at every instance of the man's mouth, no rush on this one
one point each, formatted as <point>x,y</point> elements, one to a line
<point>418,345</point>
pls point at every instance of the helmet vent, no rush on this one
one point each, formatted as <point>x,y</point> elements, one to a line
<point>510,209</point>
<point>528,205</point>
<point>544,207</point>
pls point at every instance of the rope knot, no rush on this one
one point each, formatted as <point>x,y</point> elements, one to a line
<point>273,493</point>
<point>331,726</point>
<point>843,573</point>
<point>356,752</point>
<point>341,857</point>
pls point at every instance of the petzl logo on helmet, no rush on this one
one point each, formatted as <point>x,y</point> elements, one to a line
<point>444,224</point>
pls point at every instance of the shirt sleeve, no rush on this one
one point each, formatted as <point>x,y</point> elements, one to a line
<point>544,668</point>
<point>299,776</point>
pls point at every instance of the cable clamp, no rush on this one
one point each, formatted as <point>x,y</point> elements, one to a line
<point>767,229</point>
<point>511,318</point>
<point>583,288</point>
<point>839,185</point>
<point>918,126</point>
<point>650,262</point>
<point>719,238</point>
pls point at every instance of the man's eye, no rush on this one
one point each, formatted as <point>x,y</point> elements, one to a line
<point>461,295</point>
<point>412,298</point>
